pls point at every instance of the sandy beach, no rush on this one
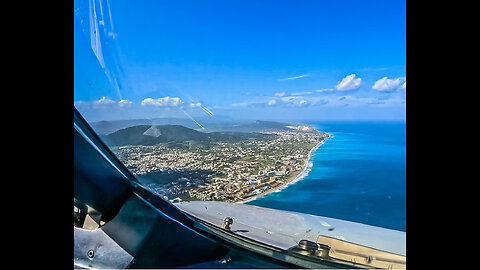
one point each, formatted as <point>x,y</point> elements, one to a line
<point>293,178</point>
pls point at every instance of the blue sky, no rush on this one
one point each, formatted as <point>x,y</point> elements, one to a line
<point>294,60</point>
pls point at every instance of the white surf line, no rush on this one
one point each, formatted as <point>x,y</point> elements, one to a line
<point>300,176</point>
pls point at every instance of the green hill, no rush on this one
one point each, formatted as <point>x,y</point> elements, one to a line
<point>155,134</point>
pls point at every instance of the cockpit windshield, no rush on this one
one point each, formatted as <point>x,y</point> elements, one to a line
<point>297,106</point>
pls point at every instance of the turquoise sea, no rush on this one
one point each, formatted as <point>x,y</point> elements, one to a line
<point>359,174</point>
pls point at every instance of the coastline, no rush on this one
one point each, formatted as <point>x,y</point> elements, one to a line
<point>294,178</point>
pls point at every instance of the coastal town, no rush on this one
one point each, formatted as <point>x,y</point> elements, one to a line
<point>222,171</point>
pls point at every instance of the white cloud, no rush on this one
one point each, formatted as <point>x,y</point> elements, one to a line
<point>385,84</point>
<point>147,101</point>
<point>124,102</point>
<point>163,102</point>
<point>194,105</point>
<point>104,100</point>
<point>294,78</point>
<point>272,102</point>
<point>281,94</point>
<point>301,103</point>
<point>349,83</point>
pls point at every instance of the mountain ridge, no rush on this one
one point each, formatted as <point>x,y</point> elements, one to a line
<point>108,127</point>
<point>156,134</point>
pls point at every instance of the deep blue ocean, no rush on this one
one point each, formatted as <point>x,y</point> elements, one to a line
<point>359,175</point>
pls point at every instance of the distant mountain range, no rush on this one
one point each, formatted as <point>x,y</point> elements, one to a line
<point>259,126</point>
<point>108,127</point>
<point>155,134</point>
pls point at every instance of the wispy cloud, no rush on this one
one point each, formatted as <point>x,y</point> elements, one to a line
<point>290,101</point>
<point>331,100</point>
<point>302,93</point>
<point>294,78</point>
<point>325,90</point>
